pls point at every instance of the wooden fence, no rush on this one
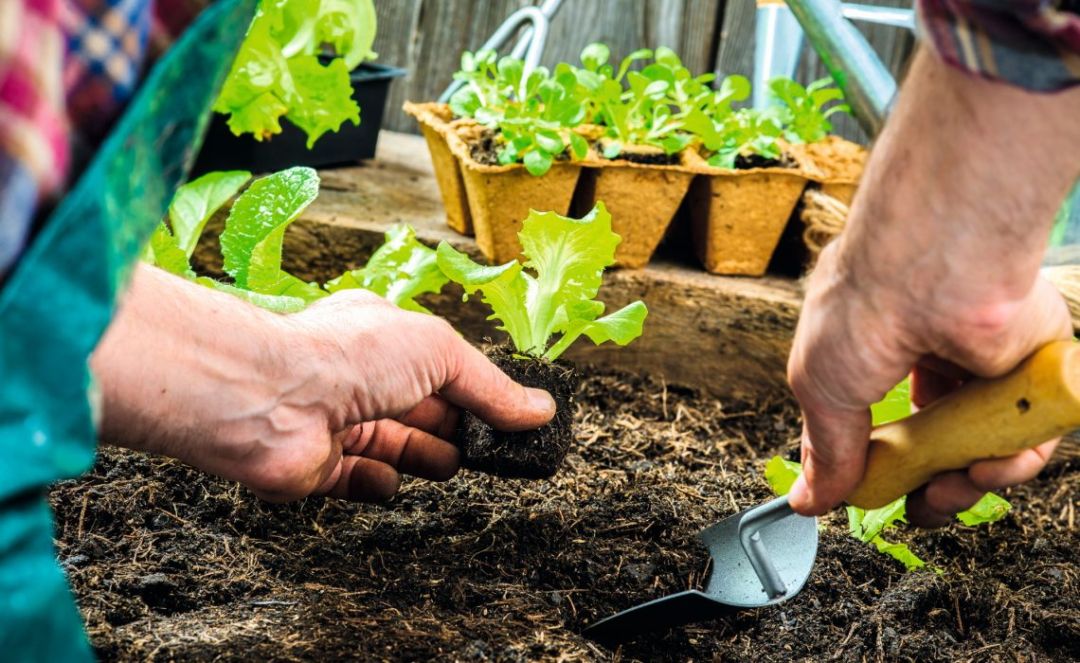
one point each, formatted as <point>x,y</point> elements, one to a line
<point>426,37</point>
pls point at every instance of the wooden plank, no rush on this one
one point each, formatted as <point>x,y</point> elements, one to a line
<point>726,335</point>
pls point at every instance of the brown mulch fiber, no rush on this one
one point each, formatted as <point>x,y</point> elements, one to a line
<point>169,564</point>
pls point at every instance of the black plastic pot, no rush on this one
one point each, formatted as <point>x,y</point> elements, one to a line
<point>223,151</point>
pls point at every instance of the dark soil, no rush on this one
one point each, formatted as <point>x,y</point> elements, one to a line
<point>485,148</point>
<point>645,155</point>
<point>169,564</point>
<point>746,162</point>
<point>535,454</point>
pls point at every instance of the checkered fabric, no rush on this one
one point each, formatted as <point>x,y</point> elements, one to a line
<point>1034,44</point>
<point>106,45</point>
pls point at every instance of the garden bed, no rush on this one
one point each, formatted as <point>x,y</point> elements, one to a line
<point>169,564</point>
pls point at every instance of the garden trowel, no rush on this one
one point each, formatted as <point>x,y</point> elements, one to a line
<point>764,555</point>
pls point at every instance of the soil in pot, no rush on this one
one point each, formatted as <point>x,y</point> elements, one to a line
<point>435,120</point>
<point>739,215</point>
<point>500,197</point>
<point>535,454</point>
<point>643,189</point>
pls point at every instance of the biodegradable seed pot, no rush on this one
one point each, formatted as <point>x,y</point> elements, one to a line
<point>532,454</point>
<point>435,121</point>
<point>642,188</point>
<point>738,215</point>
<point>834,164</point>
<point>500,196</point>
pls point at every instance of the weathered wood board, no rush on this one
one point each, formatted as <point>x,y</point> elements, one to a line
<point>729,336</point>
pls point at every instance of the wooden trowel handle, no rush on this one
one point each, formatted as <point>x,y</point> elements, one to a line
<point>1039,400</point>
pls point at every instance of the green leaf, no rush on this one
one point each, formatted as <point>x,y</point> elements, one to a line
<point>400,270</point>
<point>781,474</point>
<point>537,162</point>
<point>198,200</point>
<point>164,251</point>
<point>255,228</point>
<point>894,406</point>
<point>579,146</point>
<point>899,552</point>
<point>622,326</point>
<point>503,288</point>
<point>325,96</point>
<point>870,523</point>
<point>989,509</point>
<point>567,258</point>
<point>274,73</point>
<point>594,56</point>
<point>612,149</point>
<point>549,141</point>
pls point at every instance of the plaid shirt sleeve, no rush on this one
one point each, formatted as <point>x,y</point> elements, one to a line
<point>1034,44</point>
<point>66,69</point>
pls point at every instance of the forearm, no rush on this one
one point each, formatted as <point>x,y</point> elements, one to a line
<point>961,189</point>
<point>177,342</point>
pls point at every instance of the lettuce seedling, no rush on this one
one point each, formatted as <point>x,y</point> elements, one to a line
<point>869,525</point>
<point>277,72</point>
<point>640,114</point>
<point>744,132</point>
<point>400,270</point>
<point>545,311</point>
<point>803,109</point>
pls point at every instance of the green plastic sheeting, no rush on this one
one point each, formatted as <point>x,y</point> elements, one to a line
<point>56,306</point>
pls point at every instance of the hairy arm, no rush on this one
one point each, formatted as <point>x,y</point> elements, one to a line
<point>337,399</point>
<point>937,271</point>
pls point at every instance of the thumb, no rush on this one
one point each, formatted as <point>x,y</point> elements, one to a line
<point>477,385</point>
<point>833,457</point>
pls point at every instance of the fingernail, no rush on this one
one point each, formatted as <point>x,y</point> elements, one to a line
<point>541,400</point>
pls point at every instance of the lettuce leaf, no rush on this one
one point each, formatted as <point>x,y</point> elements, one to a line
<point>400,270</point>
<point>566,259</point>
<point>193,204</point>
<point>990,509</point>
<point>277,73</point>
<point>255,231</point>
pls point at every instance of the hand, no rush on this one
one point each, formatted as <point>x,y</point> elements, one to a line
<point>337,399</point>
<point>936,273</point>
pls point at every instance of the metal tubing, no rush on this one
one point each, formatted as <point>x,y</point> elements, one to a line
<point>857,70</point>
<point>894,16</point>
<point>750,537</point>
<point>777,45</point>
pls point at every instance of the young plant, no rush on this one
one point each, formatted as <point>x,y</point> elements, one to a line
<point>277,72</point>
<point>545,311</point>
<point>642,113</point>
<point>251,243</point>
<point>400,270</point>
<point>868,526</point>
<point>804,110</point>
<point>745,133</point>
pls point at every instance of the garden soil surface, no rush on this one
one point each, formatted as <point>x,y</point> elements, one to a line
<point>169,564</point>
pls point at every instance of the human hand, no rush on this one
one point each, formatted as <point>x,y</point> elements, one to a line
<point>858,337</point>
<point>338,399</point>
<point>936,273</point>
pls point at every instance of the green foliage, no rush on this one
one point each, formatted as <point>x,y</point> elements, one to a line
<point>277,72</point>
<point>803,109</point>
<point>869,525</point>
<point>255,231</point>
<point>400,270</point>
<point>567,258</point>
<point>895,405</point>
<point>251,243</point>
<point>662,105</point>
